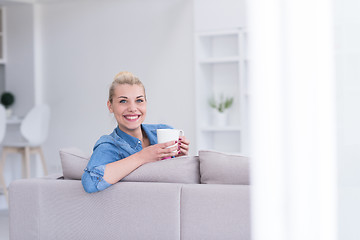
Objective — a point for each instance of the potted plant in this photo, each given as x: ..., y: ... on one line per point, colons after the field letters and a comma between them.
x: 220, y: 107
x: 7, y: 99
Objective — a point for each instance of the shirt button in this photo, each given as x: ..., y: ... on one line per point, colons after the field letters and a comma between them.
x: 139, y: 141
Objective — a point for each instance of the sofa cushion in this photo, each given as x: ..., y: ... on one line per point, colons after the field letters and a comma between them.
x: 175, y: 170
x: 222, y: 168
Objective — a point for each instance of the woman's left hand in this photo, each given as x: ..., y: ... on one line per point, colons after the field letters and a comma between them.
x: 183, y: 146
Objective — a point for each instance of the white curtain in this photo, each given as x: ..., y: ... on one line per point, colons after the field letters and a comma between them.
x: 293, y: 130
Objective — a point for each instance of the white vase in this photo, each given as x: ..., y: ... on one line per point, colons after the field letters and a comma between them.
x: 220, y: 119
x: 8, y: 112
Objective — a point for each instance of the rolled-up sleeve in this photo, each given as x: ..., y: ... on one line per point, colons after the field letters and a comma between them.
x: 93, y: 179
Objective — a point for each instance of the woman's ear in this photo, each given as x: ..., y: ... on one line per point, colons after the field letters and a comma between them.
x: 110, y: 107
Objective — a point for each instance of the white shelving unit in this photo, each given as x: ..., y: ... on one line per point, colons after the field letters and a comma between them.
x: 221, y: 69
x: 2, y: 35
x: 2, y: 49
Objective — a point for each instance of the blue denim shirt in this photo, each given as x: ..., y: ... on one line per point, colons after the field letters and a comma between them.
x: 111, y: 148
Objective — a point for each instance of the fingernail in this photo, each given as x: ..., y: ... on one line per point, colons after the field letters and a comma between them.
x: 179, y: 152
x: 175, y: 141
x: 180, y: 139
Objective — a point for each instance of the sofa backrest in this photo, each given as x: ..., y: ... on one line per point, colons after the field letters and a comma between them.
x: 210, y: 167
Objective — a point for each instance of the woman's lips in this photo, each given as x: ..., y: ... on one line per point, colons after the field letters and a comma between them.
x: 132, y: 118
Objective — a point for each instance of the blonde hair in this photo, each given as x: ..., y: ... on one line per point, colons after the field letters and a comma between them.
x: 124, y: 78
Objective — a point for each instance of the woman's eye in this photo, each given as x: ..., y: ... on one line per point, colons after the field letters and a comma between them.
x: 140, y: 100
x: 122, y: 101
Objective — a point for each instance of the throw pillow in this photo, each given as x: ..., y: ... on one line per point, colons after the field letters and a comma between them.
x: 73, y: 162
x: 222, y: 168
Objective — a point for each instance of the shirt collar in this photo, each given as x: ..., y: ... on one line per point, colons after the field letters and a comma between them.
x: 133, y: 141
x: 150, y: 133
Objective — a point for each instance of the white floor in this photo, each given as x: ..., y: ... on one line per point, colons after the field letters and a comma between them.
x: 4, y: 224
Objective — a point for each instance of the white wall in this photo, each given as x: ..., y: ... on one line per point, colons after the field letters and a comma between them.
x: 19, y: 67
x: 19, y: 77
x: 347, y: 35
x: 85, y: 43
x: 212, y: 15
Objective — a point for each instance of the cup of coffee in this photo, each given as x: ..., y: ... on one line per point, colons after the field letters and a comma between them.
x: 167, y: 135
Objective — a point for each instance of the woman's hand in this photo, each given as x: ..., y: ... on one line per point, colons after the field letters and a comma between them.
x: 158, y: 151
x: 183, y: 146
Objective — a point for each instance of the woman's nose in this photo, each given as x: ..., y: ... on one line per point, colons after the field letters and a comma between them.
x: 132, y: 107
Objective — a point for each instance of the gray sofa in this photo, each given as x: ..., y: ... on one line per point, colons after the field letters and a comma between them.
x: 198, y: 197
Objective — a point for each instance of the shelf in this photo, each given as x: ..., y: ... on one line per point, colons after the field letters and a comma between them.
x: 221, y: 129
x: 218, y: 33
x: 233, y: 59
x: 14, y: 120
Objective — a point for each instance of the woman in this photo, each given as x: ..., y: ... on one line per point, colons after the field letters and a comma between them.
x: 132, y: 143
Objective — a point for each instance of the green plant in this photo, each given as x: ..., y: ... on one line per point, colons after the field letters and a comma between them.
x: 222, y: 104
x: 7, y: 99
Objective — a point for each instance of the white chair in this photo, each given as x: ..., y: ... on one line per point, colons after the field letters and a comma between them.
x: 2, y: 135
x: 34, y: 129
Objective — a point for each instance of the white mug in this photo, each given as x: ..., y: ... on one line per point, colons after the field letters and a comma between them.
x: 167, y: 135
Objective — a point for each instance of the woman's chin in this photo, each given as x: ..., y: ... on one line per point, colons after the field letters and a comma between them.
x: 131, y: 125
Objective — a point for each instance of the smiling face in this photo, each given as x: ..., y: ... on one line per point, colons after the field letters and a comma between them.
x: 129, y: 107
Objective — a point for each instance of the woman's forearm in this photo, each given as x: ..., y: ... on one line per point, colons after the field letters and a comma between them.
x: 116, y: 171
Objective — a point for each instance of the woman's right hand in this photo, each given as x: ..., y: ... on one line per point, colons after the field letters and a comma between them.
x: 158, y: 152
